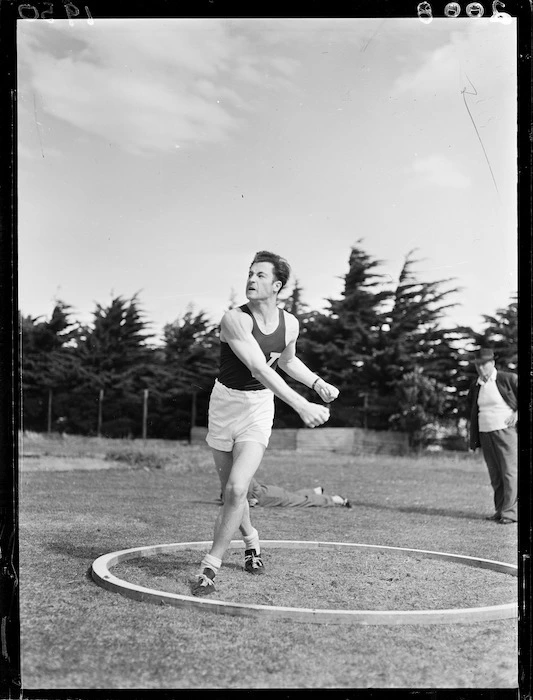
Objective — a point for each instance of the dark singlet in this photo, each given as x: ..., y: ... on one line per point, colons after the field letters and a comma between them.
x: 235, y: 374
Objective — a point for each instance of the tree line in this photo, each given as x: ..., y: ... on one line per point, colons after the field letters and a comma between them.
x: 384, y: 345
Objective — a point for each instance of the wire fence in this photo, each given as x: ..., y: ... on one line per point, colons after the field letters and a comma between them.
x: 109, y: 413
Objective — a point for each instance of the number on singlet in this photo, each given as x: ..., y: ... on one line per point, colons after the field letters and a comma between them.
x: 273, y: 357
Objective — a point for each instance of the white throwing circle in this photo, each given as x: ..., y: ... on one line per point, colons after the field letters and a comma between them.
x: 101, y: 574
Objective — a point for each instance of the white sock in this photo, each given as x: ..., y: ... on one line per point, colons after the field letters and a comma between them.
x: 252, y: 541
x: 210, y: 562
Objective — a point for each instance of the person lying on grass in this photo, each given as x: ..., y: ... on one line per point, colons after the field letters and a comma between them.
x: 270, y: 496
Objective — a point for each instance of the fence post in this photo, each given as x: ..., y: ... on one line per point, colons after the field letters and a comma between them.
x: 364, y: 394
x: 145, y: 413
x: 49, y: 426
x: 193, y: 413
x: 100, y: 402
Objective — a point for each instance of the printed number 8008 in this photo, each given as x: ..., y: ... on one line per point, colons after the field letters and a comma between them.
x: 473, y: 9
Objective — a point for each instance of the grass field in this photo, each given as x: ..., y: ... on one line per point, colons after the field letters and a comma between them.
x: 81, y: 497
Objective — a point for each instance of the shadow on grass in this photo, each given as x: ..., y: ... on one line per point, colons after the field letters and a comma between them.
x: 82, y: 551
x: 419, y: 510
x: 212, y: 502
x: 158, y: 565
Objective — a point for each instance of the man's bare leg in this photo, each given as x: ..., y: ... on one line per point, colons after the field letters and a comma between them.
x: 235, y: 471
x: 223, y: 464
x: 235, y: 514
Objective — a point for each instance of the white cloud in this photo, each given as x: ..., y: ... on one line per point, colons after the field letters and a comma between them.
x: 477, y: 48
x: 147, y: 84
x: 286, y: 66
x: 438, y: 170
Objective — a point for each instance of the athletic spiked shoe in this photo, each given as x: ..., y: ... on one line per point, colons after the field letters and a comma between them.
x: 203, y: 583
x: 253, y: 563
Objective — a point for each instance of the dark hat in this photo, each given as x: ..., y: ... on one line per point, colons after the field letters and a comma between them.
x: 483, y: 355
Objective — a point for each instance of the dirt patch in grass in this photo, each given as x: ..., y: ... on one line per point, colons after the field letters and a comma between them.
x: 179, y: 460
x: 52, y: 463
x: 76, y: 453
x: 329, y: 579
x: 64, y: 445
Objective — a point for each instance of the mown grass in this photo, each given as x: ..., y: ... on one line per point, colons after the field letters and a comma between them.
x: 371, y: 580
x: 77, y: 635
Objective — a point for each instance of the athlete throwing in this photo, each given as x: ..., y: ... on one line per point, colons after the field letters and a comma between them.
x: 254, y: 339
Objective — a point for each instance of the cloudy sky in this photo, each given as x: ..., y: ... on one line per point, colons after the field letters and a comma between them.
x: 156, y: 156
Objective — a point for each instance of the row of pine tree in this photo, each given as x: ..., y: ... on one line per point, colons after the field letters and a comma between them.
x: 386, y: 346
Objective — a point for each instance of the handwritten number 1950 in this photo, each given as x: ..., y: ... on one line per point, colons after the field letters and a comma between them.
x: 30, y: 12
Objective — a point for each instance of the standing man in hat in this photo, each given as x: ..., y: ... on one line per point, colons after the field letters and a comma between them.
x: 493, y: 405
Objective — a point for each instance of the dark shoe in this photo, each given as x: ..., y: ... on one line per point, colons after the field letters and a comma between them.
x: 253, y: 563
x: 347, y: 503
x: 506, y: 521
x: 495, y: 517
x: 203, y: 584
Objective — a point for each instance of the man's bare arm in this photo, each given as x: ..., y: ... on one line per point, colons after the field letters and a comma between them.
x: 298, y: 370
x: 236, y: 329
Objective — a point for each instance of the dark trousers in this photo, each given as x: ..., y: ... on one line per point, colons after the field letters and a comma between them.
x: 500, y: 452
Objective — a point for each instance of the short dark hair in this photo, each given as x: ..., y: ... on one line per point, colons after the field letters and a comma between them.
x: 282, y: 269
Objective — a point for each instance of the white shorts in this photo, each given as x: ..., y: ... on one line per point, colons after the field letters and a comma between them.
x: 239, y: 416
